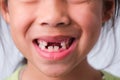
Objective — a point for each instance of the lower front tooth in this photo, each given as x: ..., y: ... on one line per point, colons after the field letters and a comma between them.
x: 56, y: 48
x: 63, y: 44
x: 50, y: 49
x: 64, y: 47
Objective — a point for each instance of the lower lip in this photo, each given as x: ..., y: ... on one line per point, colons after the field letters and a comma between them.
x: 56, y: 55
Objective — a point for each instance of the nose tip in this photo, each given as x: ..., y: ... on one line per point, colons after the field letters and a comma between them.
x: 55, y: 21
x: 56, y: 15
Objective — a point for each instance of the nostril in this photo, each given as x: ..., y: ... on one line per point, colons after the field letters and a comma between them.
x: 65, y: 22
x: 57, y: 24
x: 61, y: 24
x: 43, y: 24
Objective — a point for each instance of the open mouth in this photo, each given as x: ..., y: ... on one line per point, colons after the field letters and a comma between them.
x: 54, y: 45
x: 55, y: 48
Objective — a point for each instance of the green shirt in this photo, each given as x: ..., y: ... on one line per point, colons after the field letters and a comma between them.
x: 107, y: 76
x: 15, y: 75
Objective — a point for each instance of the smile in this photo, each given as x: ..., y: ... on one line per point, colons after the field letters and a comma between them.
x: 55, y: 47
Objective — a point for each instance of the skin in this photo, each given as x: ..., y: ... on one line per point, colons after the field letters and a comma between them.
x: 31, y: 19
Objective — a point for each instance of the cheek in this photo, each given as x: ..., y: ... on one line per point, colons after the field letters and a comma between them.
x: 20, y: 17
x: 19, y: 24
x: 20, y: 21
x: 90, y: 24
x: 88, y: 21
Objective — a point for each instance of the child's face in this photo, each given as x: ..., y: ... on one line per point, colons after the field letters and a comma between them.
x: 55, y: 35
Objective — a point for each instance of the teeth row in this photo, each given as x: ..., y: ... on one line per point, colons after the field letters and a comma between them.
x: 43, y: 44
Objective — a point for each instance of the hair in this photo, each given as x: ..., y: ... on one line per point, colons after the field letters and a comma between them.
x: 116, y: 13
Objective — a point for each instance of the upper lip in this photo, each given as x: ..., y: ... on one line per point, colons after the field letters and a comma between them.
x: 54, y: 38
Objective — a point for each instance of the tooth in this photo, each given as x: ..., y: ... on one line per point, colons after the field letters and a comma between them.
x: 41, y: 46
x: 44, y: 43
x: 64, y: 47
x: 50, y: 48
x: 39, y: 41
x: 63, y: 44
x: 56, y: 48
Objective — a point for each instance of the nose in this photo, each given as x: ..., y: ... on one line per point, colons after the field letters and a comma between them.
x: 54, y: 14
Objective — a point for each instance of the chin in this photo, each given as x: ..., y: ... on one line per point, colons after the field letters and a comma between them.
x: 56, y: 71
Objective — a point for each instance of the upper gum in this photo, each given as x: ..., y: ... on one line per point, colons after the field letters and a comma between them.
x: 51, y: 41
x: 57, y: 40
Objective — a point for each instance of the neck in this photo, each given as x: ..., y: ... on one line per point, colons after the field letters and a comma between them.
x: 81, y: 72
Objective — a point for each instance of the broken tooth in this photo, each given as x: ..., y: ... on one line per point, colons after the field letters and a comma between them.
x: 56, y: 48
x: 50, y: 49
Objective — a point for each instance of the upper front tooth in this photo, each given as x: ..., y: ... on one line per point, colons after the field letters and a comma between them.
x: 56, y: 48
